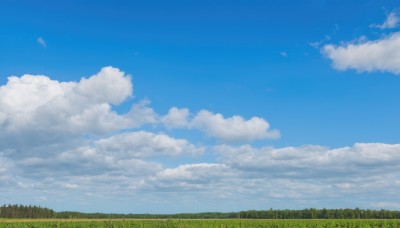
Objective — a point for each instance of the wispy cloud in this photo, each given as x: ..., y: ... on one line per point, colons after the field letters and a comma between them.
x: 392, y: 20
x: 41, y: 41
x: 318, y: 44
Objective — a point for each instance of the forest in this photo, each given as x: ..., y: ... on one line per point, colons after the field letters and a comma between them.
x: 34, y: 212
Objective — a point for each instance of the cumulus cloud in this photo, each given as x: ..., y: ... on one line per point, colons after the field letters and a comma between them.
x: 141, y: 113
x: 110, y: 85
x: 392, y: 20
x: 231, y: 129
x: 366, y: 56
x: 234, y: 128
x: 35, y: 109
x: 176, y: 118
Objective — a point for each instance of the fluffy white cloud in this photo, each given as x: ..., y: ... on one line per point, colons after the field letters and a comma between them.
x: 366, y: 56
x: 392, y: 20
x: 231, y: 129
x: 176, y: 118
x: 141, y: 114
x: 234, y: 128
x: 36, y: 110
x: 110, y: 85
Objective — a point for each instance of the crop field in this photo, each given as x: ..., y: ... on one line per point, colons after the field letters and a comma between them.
x: 172, y: 223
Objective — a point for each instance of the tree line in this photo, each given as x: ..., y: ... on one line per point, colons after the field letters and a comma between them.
x: 21, y: 211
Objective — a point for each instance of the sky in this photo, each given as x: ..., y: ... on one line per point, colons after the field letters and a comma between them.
x: 191, y: 106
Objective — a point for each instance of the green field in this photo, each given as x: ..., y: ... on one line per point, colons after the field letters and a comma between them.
x: 198, y: 223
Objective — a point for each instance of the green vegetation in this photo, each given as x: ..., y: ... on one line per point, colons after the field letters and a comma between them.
x: 205, y: 223
x: 17, y: 216
x: 19, y: 211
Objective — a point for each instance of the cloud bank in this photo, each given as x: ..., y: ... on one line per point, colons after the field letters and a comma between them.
x: 62, y: 142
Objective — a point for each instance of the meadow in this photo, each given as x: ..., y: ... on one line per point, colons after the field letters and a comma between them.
x: 188, y: 223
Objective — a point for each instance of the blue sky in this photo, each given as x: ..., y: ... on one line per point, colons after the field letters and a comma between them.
x: 188, y: 106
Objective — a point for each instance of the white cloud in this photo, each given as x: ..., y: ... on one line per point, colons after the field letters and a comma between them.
x: 85, y: 161
x: 41, y: 42
x: 145, y: 144
x: 110, y: 85
x: 231, y: 129
x: 176, y: 118
x: 367, y: 56
x: 291, y: 175
x: 141, y: 113
x: 122, y: 155
x: 35, y: 110
x: 392, y: 20
x: 234, y: 128
x: 362, y: 159
x: 188, y: 177
x: 288, y: 175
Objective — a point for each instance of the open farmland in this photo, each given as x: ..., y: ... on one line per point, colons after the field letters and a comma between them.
x: 182, y: 223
